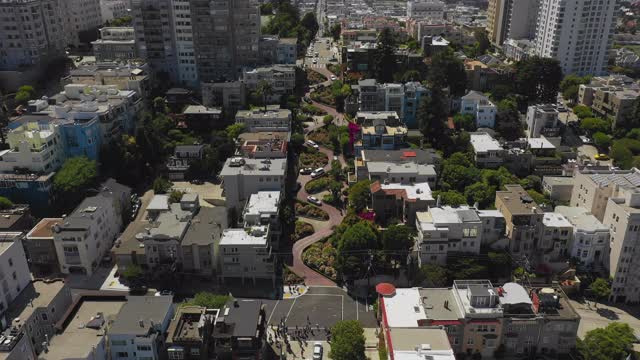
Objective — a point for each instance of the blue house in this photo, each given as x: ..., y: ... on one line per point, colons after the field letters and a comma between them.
x: 81, y: 138
x: 414, y: 92
x: 33, y: 189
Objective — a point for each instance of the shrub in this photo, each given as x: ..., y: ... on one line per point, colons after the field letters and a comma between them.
x: 302, y: 230
x: 310, y: 211
x: 317, y: 185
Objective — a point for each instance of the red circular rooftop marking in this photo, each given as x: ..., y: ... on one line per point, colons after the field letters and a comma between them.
x: 385, y: 289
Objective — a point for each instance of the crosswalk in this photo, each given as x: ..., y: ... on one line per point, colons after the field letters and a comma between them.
x: 322, y: 62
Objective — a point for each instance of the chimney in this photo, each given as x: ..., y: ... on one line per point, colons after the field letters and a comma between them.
x: 438, y: 201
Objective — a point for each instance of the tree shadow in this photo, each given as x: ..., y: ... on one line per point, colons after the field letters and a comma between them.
x: 607, y: 313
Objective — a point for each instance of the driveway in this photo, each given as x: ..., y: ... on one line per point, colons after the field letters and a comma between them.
x: 592, y: 318
x: 590, y: 151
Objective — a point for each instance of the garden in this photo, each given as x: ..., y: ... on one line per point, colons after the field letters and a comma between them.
x: 313, y: 159
x: 317, y: 185
x: 333, y: 137
x: 315, y: 77
x: 321, y: 257
x: 302, y: 230
x: 310, y: 211
x: 313, y: 110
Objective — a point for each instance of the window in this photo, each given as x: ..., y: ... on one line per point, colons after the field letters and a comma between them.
x: 195, y: 351
x: 470, y: 341
x: 118, y: 342
x: 144, y: 348
x: 10, y: 262
x: 122, y: 354
x: 44, y: 317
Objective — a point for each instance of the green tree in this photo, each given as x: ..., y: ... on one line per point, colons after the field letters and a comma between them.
x: 451, y: 198
x: 161, y: 185
x: 600, y: 289
x: 480, y: 193
x: 24, y: 94
x: 175, y: 196
x: 458, y: 172
x: 132, y: 272
x: 336, y: 30
x: 353, y: 247
x: 621, y: 155
x: 538, y: 197
x: 532, y: 182
x: 582, y: 112
x: 499, y: 265
x: 602, y: 140
x: 347, y: 341
x: 266, y: 9
x: 5, y: 203
x: 593, y: 125
x: 234, y: 130
x: 411, y: 75
x: 297, y: 140
x: 327, y: 119
x: 360, y: 195
x: 208, y: 300
x: 310, y: 23
x: 465, y: 122
x: 610, y: 343
x: 398, y: 239
x: 432, y: 275
x: 264, y: 90
x: 508, y: 123
x: 76, y: 175
x: 482, y: 41
x: 160, y: 105
x: 447, y: 70
x: 569, y: 86
x: 464, y: 268
x: 432, y: 117
x: 538, y: 79
x: 385, y: 56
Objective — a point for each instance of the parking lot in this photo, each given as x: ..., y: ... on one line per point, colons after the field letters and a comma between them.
x: 321, y: 307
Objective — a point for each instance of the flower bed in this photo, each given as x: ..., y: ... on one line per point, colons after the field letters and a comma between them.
x: 317, y: 185
x: 313, y: 159
x: 321, y: 257
x: 310, y: 211
x: 303, y: 230
x: 315, y: 77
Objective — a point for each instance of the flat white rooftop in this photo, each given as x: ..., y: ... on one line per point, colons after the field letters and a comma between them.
x: 554, y: 219
x: 252, y: 236
x: 404, y: 308
x: 263, y: 202
x: 483, y: 142
x: 540, y: 143
x: 420, y: 191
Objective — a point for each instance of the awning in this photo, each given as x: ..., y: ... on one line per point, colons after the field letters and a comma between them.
x: 446, y: 322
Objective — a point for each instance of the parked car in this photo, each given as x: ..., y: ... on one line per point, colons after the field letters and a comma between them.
x: 317, y: 173
x: 335, y: 158
x: 317, y: 351
x: 306, y: 99
x: 603, y: 157
x: 315, y: 61
x: 164, y: 293
x: 306, y: 171
x: 585, y: 140
x: 314, y: 200
x: 313, y: 144
x: 333, y: 78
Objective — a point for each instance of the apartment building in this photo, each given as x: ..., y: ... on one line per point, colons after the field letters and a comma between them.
x: 226, y: 37
x: 264, y: 145
x: 518, y: 50
x: 523, y: 219
x: 425, y: 161
x: 240, y: 331
x: 281, y: 78
x: 577, y: 33
x: 543, y: 120
x: 443, y: 230
x: 155, y: 36
x: 242, y: 177
x: 558, y: 187
x: 88, y: 233
x: 40, y: 248
x: 113, y: 9
x: 380, y: 130
x: 263, y: 208
x: 613, y: 97
x: 140, y: 328
x: 32, y: 33
x: 115, y: 44
x: 260, y: 120
x: 405, y: 173
x: 479, y: 318
x: 33, y: 314
x: 33, y: 189
x: 231, y: 95
x: 181, y: 23
x: 590, y: 237
x: 14, y: 269
x: 556, y: 238
x: 81, y: 20
x: 400, y: 201
x: 198, y: 247
x: 33, y: 146
x: 404, y: 99
x: 420, y: 9
x: 622, y: 216
x: 511, y: 19
x: 190, y: 334
x: 277, y: 50
x: 245, y: 254
x: 593, y: 188
x: 480, y: 77
x: 183, y: 156
x: 488, y: 153
x: 479, y: 105
x: 133, y: 76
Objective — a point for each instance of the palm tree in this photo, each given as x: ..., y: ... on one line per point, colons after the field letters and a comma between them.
x: 265, y: 90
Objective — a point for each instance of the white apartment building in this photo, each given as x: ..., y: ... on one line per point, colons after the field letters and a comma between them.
x: 242, y: 177
x: 444, y: 230
x: 488, y: 153
x: 511, y: 19
x: 139, y: 329
x: 479, y: 105
x: 593, y: 188
x: 282, y: 79
x: 542, y: 120
x: 259, y: 120
x: 423, y: 9
x: 578, y: 33
x: 113, y: 9
x: 33, y: 146
x: 555, y: 237
x: 622, y: 216
x: 31, y: 32
x: 80, y: 16
x: 246, y: 254
x: 590, y: 237
x: 403, y: 173
x: 183, y: 37
x: 14, y: 270
x: 115, y: 43
x: 86, y: 235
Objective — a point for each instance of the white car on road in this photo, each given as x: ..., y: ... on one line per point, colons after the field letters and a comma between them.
x: 333, y: 78
x: 314, y: 200
x: 317, y: 173
x: 317, y: 351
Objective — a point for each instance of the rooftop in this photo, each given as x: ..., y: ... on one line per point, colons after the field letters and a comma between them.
x: 140, y: 313
x: 483, y: 142
x: 78, y: 339
x: 254, y: 235
x: 260, y: 113
x: 263, y: 202
x: 403, y: 168
x: 200, y: 109
x: 512, y: 293
x: 404, y: 308
x: 38, y: 294
x: 417, y: 191
x: 264, y: 135
x: 540, y: 143
x: 206, y: 227
x: 434, y: 299
x: 159, y: 203
x: 244, y: 316
x: 624, y: 178
x: 558, y: 180
x: 554, y: 219
x: 518, y: 201
x: 186, y: 323
x: 44, y: 228
x: 246, y: 166
x: 420, y: 344
x: 418, y: 156
x: 581, y: 219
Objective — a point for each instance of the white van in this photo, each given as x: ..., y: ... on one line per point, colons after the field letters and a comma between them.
x: 317, y: 173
